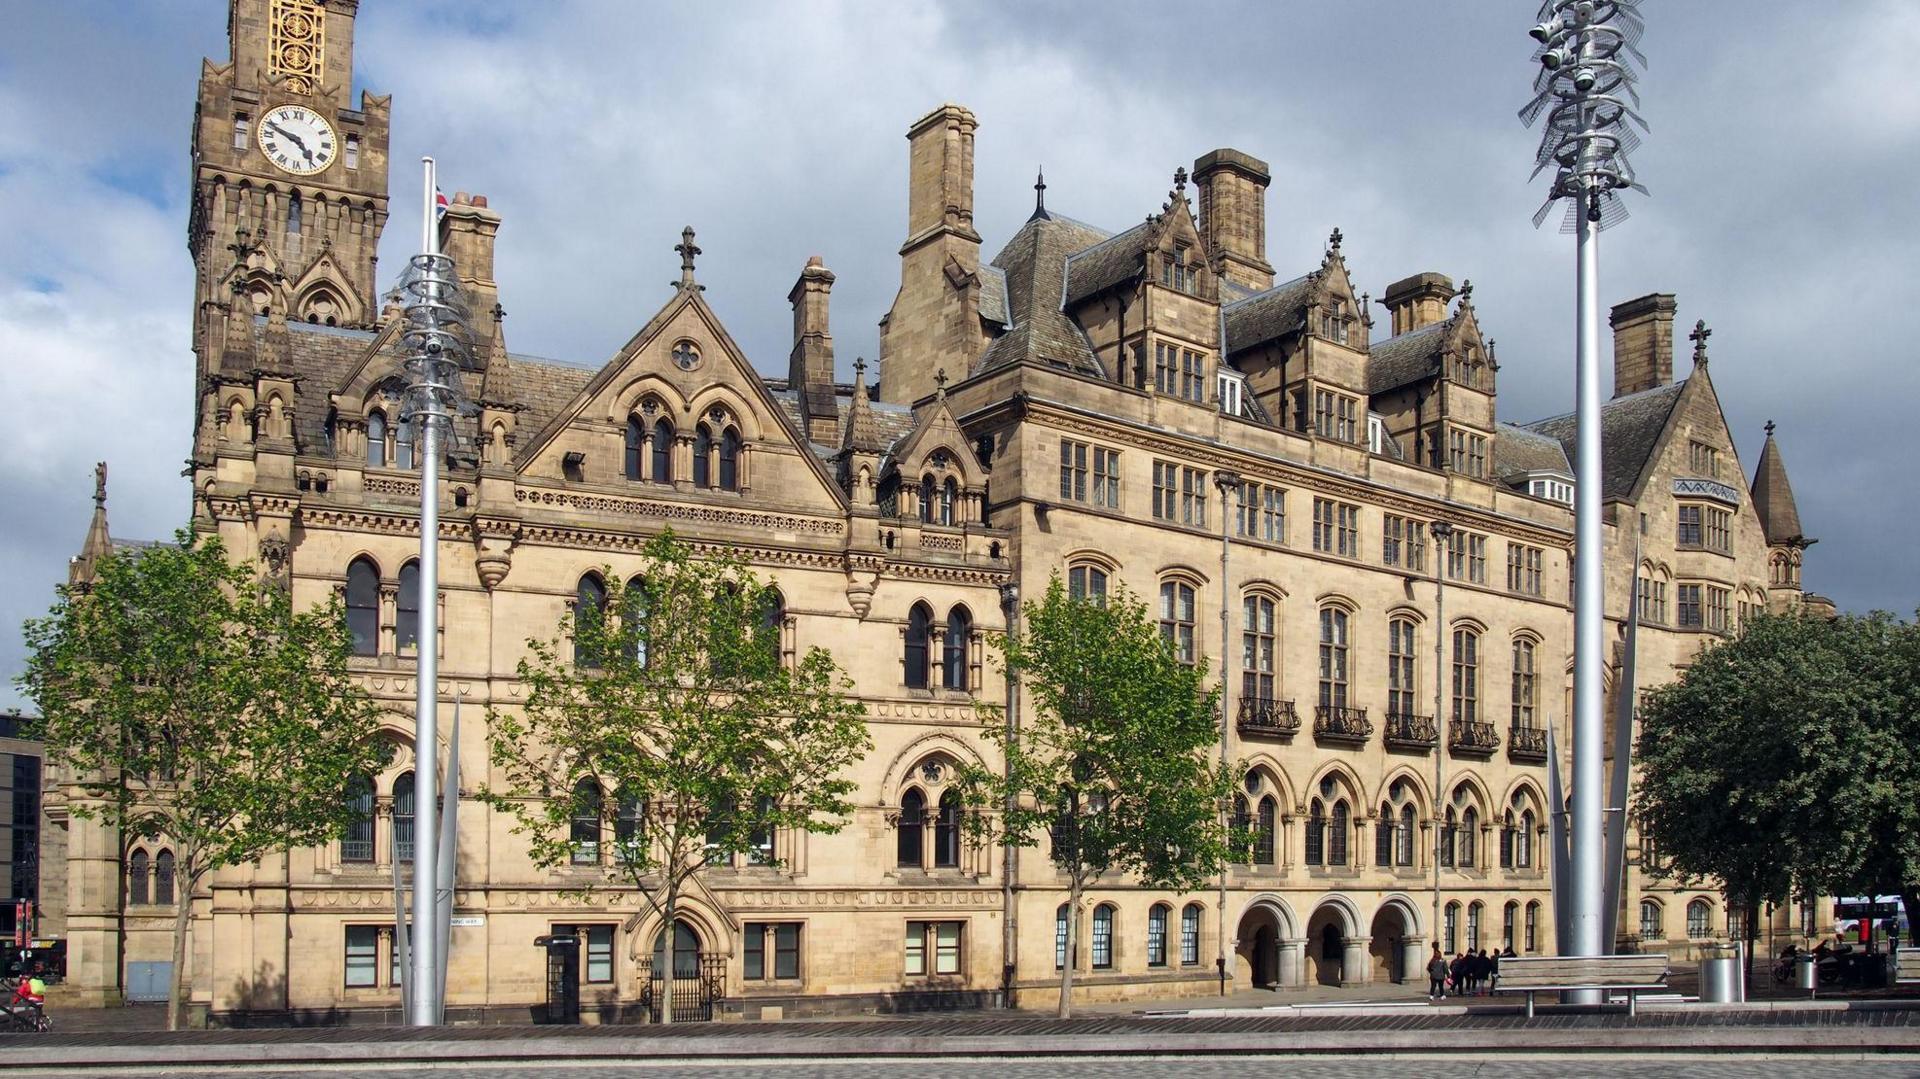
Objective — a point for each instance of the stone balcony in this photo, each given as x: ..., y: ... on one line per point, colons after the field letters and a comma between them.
x: 1339, y: 725
x: 1406, y: 731
x: 1262, y: 717
x: 1472, y: 738
x: 1527, y: 744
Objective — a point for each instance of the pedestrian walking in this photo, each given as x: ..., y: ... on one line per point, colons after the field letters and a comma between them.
x: 1437, y: 975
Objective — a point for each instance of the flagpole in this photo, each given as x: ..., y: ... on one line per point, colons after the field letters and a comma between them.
x: 425, y: 975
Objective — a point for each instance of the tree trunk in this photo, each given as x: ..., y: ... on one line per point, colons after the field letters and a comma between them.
x: 1752, y: 933
x: 1072, y: 957
x: 183, y: 909
x: 1910, y: 902
x: 671, y: 934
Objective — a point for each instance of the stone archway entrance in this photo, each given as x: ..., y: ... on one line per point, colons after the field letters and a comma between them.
x: 1267, y: 953
x: 1393, y: 945
x: 1336, y: 953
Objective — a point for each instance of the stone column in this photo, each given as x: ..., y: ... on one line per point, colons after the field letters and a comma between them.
x: 1293, y: 962
x: 1413, y: 960
x: 1355, y: 966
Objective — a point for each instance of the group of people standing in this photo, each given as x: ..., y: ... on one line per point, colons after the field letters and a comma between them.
x: 1469, y: 974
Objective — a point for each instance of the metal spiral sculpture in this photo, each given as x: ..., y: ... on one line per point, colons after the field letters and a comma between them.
x: 1585, y: 89
x: 435, y: 338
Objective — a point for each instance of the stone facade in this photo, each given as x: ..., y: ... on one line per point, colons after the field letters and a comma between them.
x: 1143, y: 409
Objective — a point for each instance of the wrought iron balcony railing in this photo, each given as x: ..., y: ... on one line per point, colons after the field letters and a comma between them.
x: 1527, y: 743
x: 1263, y: 717
x: 1333, y: 723
x: 1470, y: 737
x: 1406, y: 731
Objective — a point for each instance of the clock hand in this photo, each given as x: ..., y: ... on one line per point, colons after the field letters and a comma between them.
x: 295, y: 139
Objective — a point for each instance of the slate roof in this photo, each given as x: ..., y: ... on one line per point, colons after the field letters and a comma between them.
x: 1107, y: 263
x: 1630, y: 430
x: 1773, y: 496
x: 1408, y: 358
x: 1034, y: 263
x: 1267, y: 315
x: 993, y: 295
x: 1517, y: 451
x: 893, y: 422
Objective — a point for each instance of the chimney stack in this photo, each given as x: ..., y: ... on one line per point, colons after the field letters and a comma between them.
x: 1642, y: 343
x: 1420, y: 300
x: 810, y: 366
x: 935, y: 318
x: 466, y: 236
x: 1233, y: 215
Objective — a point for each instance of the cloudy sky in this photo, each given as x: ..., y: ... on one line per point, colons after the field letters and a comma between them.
x: 1786, y: 137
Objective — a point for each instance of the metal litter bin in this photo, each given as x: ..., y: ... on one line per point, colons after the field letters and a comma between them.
x: 1721, y: 981
x: 1806, y: 973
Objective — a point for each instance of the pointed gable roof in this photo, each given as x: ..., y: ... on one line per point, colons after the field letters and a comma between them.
x: 1630, y: 431
x: 1264, y: 316
x: 1034, y: 265
x: 1773, y: 496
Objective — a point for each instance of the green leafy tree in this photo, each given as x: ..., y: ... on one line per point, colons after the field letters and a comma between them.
x: 672, y: 706
x: 186, y: 700
x: 1765, y: 766
x: 1112, y: 767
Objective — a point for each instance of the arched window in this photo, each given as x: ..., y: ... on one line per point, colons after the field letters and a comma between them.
x: 1333, y: 657
x: 1103, y: 937
x: 1267, y: 837
x: 1177, y: 619
x: 403, y: 444
x: 1533, y: 925
x: 1243, y: 827
x: 1403, y: 854
x: 406, y: 621
x: 730, y: 460
x: 760, y: 842
x: 376, y: 439
x: 1523, y: 841
x: 633, y: 615
x: 1469, y: 834
x: 1060, y: 937
x: 686, y: 951
x: 909, y: 838
x: 1448, y: 830
x: 946, y: 833
x: 1652, y: 922
x: 1699, y: 919
x: 1474, y: 911
x: 702, y: 456
x: 1316, y: 840
x: 1157, y: 935
x: 585, y: 833
x: 1401, y: 685
x: 634, y: 460
x: 914, y: 659
x: 363, y: 606
x: 1509, y: 921
x: 949, y: 502
x: 357, y: 844
x: 163, y: 878
x: 954, y: 653
x: 1466, y: 675
x: 403, y: 817
x: 1453, y: 928
x: 1526, y: 691
x: 1190, y: 935
x: 589, y: 608
x: 1338, y: 832
x: 293, y: 212
x: 1383, y: 836
x: 660, y: 468
x: 139, y: 880
x: 1506, y: 840
x: 773, y: 621
x: 1257, y: 647
x: 1085, y: 581
x: 629, y: 825
x: 926, y: 499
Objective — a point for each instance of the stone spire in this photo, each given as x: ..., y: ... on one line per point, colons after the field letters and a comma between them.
x: 863, y: 431
x: 98, y: 542
x: 688, y: 252
x: 1773, y: 497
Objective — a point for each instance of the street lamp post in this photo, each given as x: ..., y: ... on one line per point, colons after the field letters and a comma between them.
x: 1584, y: 90
x: 1442, y: 532
x: 1228, y: 483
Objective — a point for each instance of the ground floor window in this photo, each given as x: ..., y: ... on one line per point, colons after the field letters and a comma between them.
x: 363, y: 957
x: 932, y: 948
x: 782, y: 940
x: 1533, y: 921
x: 1453, y: 927
x: 1157, y: 936
x: 1190, y: 935
x: 596, y: 951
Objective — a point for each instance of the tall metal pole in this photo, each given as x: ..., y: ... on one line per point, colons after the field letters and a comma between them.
x: 1442, y: 533
x: 425, y: 975
x: 1226, y: 482
x: 1587, y: 845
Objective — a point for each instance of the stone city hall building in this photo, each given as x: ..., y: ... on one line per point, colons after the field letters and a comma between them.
x: 1318, y: 476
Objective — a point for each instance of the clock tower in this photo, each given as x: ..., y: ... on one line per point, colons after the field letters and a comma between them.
x: 289, y: 173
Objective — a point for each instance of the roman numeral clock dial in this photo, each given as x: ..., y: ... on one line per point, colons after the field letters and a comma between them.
x: 297, y: 139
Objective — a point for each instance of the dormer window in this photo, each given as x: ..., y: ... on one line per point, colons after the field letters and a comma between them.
x: 1176, y: 272
x: 1179, y: 371
x: 1228, y: 386
x: 1466, y: 367
x: 1334, y: 318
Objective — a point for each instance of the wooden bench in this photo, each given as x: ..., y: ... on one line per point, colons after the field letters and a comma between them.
x: 1532, y: 974
x: 1906, y: 966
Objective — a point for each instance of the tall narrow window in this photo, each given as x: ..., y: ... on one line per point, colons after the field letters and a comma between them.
x: 926, y: 499
x: 1060, y: 937
x: 585, y: 833
x: 163, y: 878
x: 589, y: 608
x: 363, y: 606
x: 1533, y: 922
x: 1177, y: 619
x: 1525, y: 688
x: 1339, y: 830
x: 1383, y: 837
x: 357, y: 844
x: 1474, y: 911
x: 1316, y: 842
x: 1469, y: 836
x: 1257, y: 647
x: 702, y: 456
x: 403, y: 444
x: 914, y: 658
x: 1333, y: 657
x: 406, y: 622
x: 1190, y: 935
x: 293, y: 213
x: 946, y: 833
x: 1103, y: 937
x: 139, y: 880
x: 661, y: 452
x: 760, y: 842
x: 636, y: 448
x: 1265, y: 839
x: 954, y: 652
x: 1453, y: 927
x: 1403, y: 852
x: 376, y: 439
x: 1401, y: 687
x: 1449, y: 830
x: 1466, y: 675
x: 730, y: 460
x: 910, y: 836
x: 950, y: 502
x: 403, y: 817
x: 1157, y: 935
x: 629, y: 831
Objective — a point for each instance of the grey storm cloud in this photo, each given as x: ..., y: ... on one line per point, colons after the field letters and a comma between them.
x: 1785, y: 138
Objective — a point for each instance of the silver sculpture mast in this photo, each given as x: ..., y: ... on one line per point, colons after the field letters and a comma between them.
x: 1585, y: 91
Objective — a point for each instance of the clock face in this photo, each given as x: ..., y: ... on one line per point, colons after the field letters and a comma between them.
x: 297, y: 139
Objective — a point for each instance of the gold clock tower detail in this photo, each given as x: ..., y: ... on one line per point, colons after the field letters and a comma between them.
x: 289, y: 175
